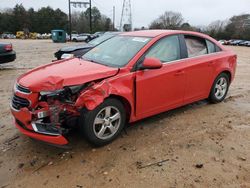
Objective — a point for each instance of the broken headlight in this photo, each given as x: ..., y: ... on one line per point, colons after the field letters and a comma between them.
x: 76, y: 89
x: 64, y: 93
x: 51, y: 93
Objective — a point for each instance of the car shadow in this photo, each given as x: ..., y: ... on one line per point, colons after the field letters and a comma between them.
x: 77, y: 143
x: 77, y: 140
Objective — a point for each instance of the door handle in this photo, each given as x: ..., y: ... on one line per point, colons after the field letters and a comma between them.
x: 179, y: 73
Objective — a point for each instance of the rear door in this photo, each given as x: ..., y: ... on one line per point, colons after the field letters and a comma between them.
x: 199, y: 69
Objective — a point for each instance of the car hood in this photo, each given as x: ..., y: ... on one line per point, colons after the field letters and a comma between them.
x: 77, y: 47
x: 62, y: 73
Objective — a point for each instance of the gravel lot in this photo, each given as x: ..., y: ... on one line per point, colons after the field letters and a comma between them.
x: 200, y: 145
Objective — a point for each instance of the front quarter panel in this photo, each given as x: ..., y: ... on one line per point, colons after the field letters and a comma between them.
x: 119, y: 86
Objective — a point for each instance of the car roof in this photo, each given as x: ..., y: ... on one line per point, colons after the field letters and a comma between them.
x: 112, y: 33
x: 155, y: 33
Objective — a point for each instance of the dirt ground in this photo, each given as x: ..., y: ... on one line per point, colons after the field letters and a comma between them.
x: 199, y: 145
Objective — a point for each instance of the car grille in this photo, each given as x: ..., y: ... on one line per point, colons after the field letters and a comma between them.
x: 19, y: 102
x: 23, y: 89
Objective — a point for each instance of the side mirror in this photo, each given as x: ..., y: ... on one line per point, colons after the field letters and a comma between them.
x: 150, y: 63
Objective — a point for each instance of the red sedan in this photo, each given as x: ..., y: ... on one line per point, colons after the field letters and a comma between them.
x: 127, y: 78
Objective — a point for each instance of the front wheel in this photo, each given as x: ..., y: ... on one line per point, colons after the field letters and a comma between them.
x: 220, y: 88
x: 103, y: 124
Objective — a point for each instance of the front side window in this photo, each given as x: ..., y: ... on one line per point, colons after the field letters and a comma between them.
x: 195, y: 46
x: 166, y: 50
x: 117, y: 51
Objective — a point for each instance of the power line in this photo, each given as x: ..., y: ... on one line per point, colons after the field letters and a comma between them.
x: 80, y: 4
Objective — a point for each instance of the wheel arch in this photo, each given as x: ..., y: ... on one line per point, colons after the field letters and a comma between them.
x: 228, y: 73
x: 125, y: 103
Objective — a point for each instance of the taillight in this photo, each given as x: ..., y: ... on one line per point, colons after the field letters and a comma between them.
x: 8, y: 47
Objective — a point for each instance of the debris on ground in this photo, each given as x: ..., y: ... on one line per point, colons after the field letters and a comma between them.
x: 159, y: 163
x: 199, y: 165
x: 242, y: 158
x: 9, y: 141
x: 20, y: 165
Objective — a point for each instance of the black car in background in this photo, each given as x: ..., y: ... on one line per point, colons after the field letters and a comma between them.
x: 7, y: 54
x: 80, y: 50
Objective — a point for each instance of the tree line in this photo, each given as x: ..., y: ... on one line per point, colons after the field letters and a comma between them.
x: 237, y: 27
x: 46, y: 19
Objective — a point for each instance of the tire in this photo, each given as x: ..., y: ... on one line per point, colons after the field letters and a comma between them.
x: 74, y: 40
x: 219, y: 89
x: 97, y: 125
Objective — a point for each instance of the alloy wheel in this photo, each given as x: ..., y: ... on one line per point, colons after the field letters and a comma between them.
x: 107, y: 122
x: 221, y: 88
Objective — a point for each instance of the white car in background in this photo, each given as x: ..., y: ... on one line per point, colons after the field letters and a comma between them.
x: 80, y: 37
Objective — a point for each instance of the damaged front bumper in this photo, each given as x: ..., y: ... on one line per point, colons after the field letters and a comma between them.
x: 38, y: 130
x: 37, y: 119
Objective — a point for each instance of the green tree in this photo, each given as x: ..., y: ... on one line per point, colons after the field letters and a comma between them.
x: 48, y: 19
x: 96, y: 19
x: 20, y: 18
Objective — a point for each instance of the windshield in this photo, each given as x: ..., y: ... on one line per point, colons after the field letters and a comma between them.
x: 100, y: 39
x: 117, y: 51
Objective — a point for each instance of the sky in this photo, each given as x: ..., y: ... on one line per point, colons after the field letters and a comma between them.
x: 196, y: 12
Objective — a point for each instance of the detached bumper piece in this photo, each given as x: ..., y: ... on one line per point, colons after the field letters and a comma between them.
x: 48, y: 129
x: 38, y: 130
x: 52, y: 139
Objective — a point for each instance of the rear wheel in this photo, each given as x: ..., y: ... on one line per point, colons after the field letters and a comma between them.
x: 103, y: 124
x: 220, y: 88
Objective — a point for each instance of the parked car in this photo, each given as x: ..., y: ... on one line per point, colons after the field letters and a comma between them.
x: 223, y: 42
x: 246, y: 43
x: 80, y: 38
x: 7, y: 54
x: 8, y: 36
x: 80, y: 50
x: 95, y: 35
x: 129, y: 77
x: 235, y: 42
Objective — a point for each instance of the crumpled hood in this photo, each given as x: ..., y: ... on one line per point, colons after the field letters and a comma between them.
x: 69, y: 72
x: 74, y: 48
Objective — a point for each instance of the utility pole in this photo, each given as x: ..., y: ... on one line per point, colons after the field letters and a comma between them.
x: 79, y: 4
x: 70, y: 23
x: 113, y: 18
x: 90, y: 16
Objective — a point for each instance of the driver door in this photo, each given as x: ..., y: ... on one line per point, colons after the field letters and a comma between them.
x: 161, y: 89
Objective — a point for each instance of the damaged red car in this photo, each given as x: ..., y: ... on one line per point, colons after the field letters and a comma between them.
x: 127, y: 78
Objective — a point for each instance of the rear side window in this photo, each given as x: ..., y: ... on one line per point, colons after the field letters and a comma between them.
x: 166, y: 50
x: 195, y: 46
x: 210, y: 47
x: 217, y: 48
